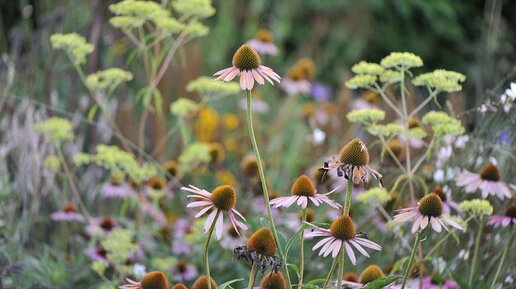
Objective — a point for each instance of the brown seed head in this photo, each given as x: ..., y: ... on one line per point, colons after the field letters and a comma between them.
x: 303, y: 186
x: 202, y: 283
x: 69, y: 208
x: 511, y: 211
x: 350, y: 277
x: 431, y: 205
x: 249, y: 166
x: 395, y: 146
x: 490, y: 173
x: 154, y: 280
x: 274, y: 281
x: 262, y: 241
x: 156, y: 183
x: 171, y: 167
x: 439, y: 191
x: 354, y: 153
x: 343, y: 228
x: 179, y: 286
x: 245, y: 58
x: 217, y: 153
x: 224, y: 197
x: 371, y: 273
x: 107, y: 223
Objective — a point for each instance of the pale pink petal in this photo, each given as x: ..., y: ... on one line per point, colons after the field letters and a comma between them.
x: 368, y: 243
x: 417, y: 222
x: 258, y: 77
x: 231, y: 75
x: 219, y: 226
x: 335, y: 248
x: 435, y: 225
x: 198, y: 204
x: 243, y: 81
x: 325, y: 249
x: 209, y: 220
x: 424, y: 223
x: 250, y: 79
x: 222, y: 71
x: 350, y: 253
x: 203, y: 211
x: 322, y: 242
x: 359, y: 248
x: 452, y: 223
x: 238, y: 214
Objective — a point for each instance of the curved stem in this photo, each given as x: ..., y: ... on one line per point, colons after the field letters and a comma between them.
x: 302, y: 265
x: 332, y: 269
x: 252, y: 276
x: 475, y: 252
x: 206, y: 245
x: 264, y: 183
x: 502, y: 260
x: 412, y: 255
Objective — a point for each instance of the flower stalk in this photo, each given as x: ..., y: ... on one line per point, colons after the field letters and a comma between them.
x: 302, y: 253
x: 502, y: 260
x: 412, y: 255
x: 206, y: 245
x: 478, y: 238
x: 252, y: 276
x: 264, y: 183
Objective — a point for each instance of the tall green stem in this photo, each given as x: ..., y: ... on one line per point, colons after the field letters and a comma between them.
x: 475, y: 252
x: 302, y: 254
x: 206, y: 245
x: 332, y: 269
x: 252, y: 276
x: 502, y: 260
x: 340, y: 273
x: 264, y: 183
x: 412, y: 255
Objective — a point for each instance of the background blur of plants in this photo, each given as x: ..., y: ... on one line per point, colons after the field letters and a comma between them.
x: 476, y: 38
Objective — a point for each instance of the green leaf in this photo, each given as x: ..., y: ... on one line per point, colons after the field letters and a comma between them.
x: 293, y: 238
x: 92, y: 112
x: 158, y: 101
x: 226, y: 284
x: 265, y: 222
x: 382, y: 282
x: 293, y: 267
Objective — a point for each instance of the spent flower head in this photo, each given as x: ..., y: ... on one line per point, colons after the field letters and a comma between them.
x: 401, y: 60
x: 273, y: 280
x: 152, y: 280
x: 371, y: 273
x: 202, y: 283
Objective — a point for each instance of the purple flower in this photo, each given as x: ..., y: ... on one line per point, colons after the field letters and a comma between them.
x: 67, y: 214
x: 321, y: 92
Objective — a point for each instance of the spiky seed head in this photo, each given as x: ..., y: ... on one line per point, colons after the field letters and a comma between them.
x: 303, y: 186
x: 490, y: 173
x: 295, y: 73
x: 202, y: 283
x: 107, y: 224
x: 156, y: 183
x: 249, y: 166
x: 217, y: 153
x: 171, y: 167
x: 350, y: 277
x: 69, y: 208
x: 154, y: 280
x: 246, y: 58
x: 431, y: 205
x: 274, y: 281
x: 371, y: 273
x: 439, y: 191
x: 354, y: 153
x: 307, y: 67
x: 262, y: 241
x: 343, y: 228
x: 264, y: 35
x: 395, y: 146
x: 179, y: 286
x: 511, y: 211
x: 224, y: 197
x: 116, y: 179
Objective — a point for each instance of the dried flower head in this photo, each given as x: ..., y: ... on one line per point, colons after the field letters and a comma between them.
x: 152, y: 280
x: 354, y: 153
x: 179, y: 286
x: 262, y: 241
x: 202, y: 283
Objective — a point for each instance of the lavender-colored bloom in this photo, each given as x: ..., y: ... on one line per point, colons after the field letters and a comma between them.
x: 321, y: 92
x: 97, y: 253
x: 68, y: 214
x: 100, y: 227
x: 115, y: 190
x: 179, y: 246
x: 503, y: 221
x: 262, y: 47
x: 487, y: 181
x: 295, y: 87
x: 184, y: 272
x: 259, y: 105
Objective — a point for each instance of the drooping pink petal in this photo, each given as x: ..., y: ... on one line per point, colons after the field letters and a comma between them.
x: 452, y: 223
x: 350, y: 253
x: 223, y: 70
x: 368, y: 243
x: 417, y: 222
x: 198, y: 204
x: 203, y: 211
x: 359, y: 248
x: 238, y: 214
x: 424, y: 223
x: 258, y: 77
x: 209, y: 220
x: 250, y: 79
x: 322, y: 242
x: 219, y: 226
x: 231, y: 75
x: 243, y: 81
x: 435, y: 225
x: 335, y: 248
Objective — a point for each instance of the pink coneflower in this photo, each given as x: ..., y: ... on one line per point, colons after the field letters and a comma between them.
x: 263, y: 43
x: 246, y: 63
x: 221, y: 199
x: 68, y: 214
x: 184, y: 272
x: 429, y: 210
x: 439, y: 282
x: 97, y: 253
x: 341, y: 232
x: 504, y: 221
x: 116, y: 188
x: 296, y: 86
x: 353, y: 160
x: 152, y: 280
x: 448, y: 203
x: 488, y: 182
x: 101, y: 226
x: 303, y: 190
